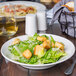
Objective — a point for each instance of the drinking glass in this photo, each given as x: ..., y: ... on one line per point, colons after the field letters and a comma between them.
x: 8, y: 26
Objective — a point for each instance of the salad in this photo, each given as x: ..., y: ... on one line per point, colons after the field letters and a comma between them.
x: 37, y: 49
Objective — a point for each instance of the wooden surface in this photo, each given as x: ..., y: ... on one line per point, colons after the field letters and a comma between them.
x: 11, y: 69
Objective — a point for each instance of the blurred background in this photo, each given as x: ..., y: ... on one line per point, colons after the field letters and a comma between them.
x: 48, y: 3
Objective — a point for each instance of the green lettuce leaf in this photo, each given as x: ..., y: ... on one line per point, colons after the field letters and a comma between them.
x: 13, y: 51
x: 52, y: 39
x: 32, y: 38
x: 23, y: 60
x: 33, y: 60
x: 52, y: 56
x: 45, y: 36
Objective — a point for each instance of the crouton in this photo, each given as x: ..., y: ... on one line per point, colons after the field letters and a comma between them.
x: 37, y: 49
x: 16, y: 41
x: 59, y: 45
x: 46, y: 44
x: 27, y: 54
x: 40, y: 38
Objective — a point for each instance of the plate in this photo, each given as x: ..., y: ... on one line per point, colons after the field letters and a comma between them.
x: 69, y: 49
x: 38, y: 6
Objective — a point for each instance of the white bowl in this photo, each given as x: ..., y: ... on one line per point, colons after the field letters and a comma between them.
x: 69, y: 49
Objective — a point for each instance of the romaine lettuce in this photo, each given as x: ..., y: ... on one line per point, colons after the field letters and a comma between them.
x: 50, y: 56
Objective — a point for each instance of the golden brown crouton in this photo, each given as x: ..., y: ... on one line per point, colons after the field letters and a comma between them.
x: 16, y: 41
x: 40, y: 38
x: 59, y: 45
x: 27, y: 54
x: 37, y: 49
x: 46, y: 44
